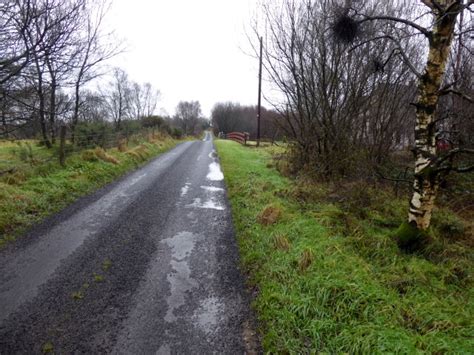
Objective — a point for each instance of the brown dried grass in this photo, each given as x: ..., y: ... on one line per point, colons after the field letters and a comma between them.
x: 102, y: 155
x: 281, y: 243
x: 306, y: 259
x: 270, y: 215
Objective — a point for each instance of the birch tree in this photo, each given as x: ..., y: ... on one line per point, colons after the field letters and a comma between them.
x: 431, y: 163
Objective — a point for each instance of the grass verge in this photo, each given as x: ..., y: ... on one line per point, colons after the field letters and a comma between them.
x: 39, y: 186
x: 327, y: 275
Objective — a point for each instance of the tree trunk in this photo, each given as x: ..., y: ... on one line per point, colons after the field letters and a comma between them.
x: 4, y: 116
x: 52, y: 110
x: 62, y: 146
x: 42, y: 104
x: 426, y: 180
x: 42, y: 119
x: 75, y: 117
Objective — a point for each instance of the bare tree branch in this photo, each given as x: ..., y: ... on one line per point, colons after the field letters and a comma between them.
x: 419, y: 28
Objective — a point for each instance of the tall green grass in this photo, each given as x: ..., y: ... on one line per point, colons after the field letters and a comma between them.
x: 39, y: 186
x: 329, y: 278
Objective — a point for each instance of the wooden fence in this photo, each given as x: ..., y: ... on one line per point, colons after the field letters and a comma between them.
x: 239, y: 137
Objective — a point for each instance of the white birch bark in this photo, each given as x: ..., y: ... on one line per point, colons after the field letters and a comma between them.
x: 426, y: 181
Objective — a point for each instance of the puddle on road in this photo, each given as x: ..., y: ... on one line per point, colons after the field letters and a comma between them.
x: 136, y: 179
x: 212, y: 188
x: 164, y: 349
x: 180, y: 279
x: 212, y: 154
x: 185, y: 189
x: 182, y: 244
x: 207, y: 315
x: 209, y: 204
x: 180, y: 283
x: 215, y: 172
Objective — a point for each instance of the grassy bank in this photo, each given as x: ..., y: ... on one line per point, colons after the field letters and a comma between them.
x: 328, y: 277
x: 38, y: 186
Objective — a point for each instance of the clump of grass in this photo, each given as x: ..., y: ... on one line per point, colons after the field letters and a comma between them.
x: 411, y: 239
x: 98, y: 278
x: 122, y: 146
x: 305, y: 192
x: 102, y: 155
x: 458, y: 274
x: 47, y: 348
x: 306, y: 259
x: 449, y: 226
x: 134, y: 155
x: 281, y: 243
x: 78, y: 295
x: 16, y: 178
x: 106, y: 264
x: 139, y: 153
x: 89, y: 155
x: 269, y: 215
x: 25, y: 151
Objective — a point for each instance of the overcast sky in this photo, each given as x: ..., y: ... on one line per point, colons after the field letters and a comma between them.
x: 188, y: 49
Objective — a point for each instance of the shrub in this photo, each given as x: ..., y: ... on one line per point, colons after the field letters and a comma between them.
x: 89, y: 135
x: 176, y: 133
x: 152, y: 121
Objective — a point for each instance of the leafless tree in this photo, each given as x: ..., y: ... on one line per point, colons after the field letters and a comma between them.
x: 143, y: 100
x: 118, y: 96
x: 229, y: 117
x: 151, y: 97
x: 52, y: 30
x: 93, y: 107
x: 16, y: 20
x: 92, y: 47
x: 51, y: 46
x: 332, y: 96
x: 187, y: 116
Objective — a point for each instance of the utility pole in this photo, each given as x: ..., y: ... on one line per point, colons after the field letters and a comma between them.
x: 259, y: 108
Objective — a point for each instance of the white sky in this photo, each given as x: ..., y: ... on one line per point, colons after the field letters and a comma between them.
x: 188, y: 49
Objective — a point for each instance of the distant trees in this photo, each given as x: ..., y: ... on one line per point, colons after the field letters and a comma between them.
x: 230, y: 117
x: 126, y: 99
x: 144, y: 99
x: 188, y: 116
x: 50, y: 52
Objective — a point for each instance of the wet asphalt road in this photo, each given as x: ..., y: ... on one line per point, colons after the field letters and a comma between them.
x: 147, y: 265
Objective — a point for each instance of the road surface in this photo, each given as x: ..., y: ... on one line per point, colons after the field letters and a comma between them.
x: 147, y: 265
